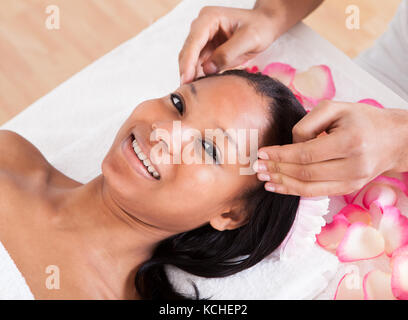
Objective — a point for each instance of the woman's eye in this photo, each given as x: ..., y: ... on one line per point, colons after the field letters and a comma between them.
x: 177, y: 102
x: 210, y: 149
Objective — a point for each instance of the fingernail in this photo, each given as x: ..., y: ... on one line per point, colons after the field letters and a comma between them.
x: 270, y: 187
x: 264, y: 177
x: 211, y: 68
x: 257, y: 166
x: 263, y: 155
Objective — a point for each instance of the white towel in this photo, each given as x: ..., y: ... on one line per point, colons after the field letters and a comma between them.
x: 298, y: 269
x: 75, y: 124
x: 12, y: 283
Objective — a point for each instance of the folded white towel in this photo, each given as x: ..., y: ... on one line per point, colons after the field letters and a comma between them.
x: 298, y: 269
x: 12, y: 283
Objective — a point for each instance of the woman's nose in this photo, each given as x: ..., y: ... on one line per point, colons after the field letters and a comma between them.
x: 174, y: 134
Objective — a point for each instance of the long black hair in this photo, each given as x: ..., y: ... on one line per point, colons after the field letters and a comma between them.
x: 207, y: 252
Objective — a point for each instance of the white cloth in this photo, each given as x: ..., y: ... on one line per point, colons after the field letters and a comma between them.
x: 298, y: 269
x: 387, y: 59
x: 12, y: 283
x: 75, y: 124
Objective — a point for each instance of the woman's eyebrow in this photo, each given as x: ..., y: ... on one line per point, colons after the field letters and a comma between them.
x: 193, y: 89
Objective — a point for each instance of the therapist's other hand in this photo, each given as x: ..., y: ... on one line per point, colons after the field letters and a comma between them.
x: 337, y: 149
x: 222, y: 38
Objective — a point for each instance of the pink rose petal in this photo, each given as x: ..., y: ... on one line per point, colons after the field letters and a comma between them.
x: 355, y: 213
x: 384, y: 194
x: 253, y: 69
x: 400, y: 183
x: 402, y: 251
x: 394, y: 228
x: 350, y: 287
x: 299, y: 98
x: 281, y: 71
x: 377, y: 286
x: 394, y: 182
x: 331, y: 234
x: 315, y: 84
x: 349, y: 198
x: 372, y: 102
x: 360, y: 242
x: 404, y: 178
x: 376, y: 212
x: 399, y: 279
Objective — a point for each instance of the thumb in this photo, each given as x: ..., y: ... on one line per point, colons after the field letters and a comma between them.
x: 232, y: 53
x: 321, y: 118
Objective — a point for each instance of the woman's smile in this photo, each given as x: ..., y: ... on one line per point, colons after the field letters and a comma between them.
x: 138, y: 159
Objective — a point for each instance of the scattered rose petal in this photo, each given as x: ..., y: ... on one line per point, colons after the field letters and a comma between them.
x: 376, y: 212
x: 349, y: 198
x: 402, y: 251
x: 355, y: 213
x: 377, y: 286
x: 399, y: 279
x: 401, y: 183
x: 404, y: 178
x: 314, y: 85
x: 253, y: 69
x: 281, y: 71
x: 394, y: 182
x: 394, y: 228
x: 384, y: 194
x: 372, y: 102
x: 350, y: 287
x: 360, y: 242
x: 331, y: 234
x: 299, y: 98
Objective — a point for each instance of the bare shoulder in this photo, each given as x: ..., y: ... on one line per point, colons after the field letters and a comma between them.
x: 20, y: 157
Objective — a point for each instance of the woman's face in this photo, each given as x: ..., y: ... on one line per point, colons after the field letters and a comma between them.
x: 199, y: 178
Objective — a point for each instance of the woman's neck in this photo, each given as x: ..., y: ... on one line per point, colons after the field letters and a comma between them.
x: 113, y: 242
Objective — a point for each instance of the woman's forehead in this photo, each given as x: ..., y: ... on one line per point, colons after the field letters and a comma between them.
x: 232, y: 101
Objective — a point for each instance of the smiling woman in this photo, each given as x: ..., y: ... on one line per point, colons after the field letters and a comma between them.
x: 113, y: 237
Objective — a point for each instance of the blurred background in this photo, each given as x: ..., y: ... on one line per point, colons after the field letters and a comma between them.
x: 34, y: 60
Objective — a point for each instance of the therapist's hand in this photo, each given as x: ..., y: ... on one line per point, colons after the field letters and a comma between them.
x: 360, y: 142
x: 222, y: 38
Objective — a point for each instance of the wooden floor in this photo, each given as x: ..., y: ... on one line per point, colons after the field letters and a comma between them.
x: 34, y: 60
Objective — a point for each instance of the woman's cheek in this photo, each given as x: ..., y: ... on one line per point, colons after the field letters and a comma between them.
x: 204, y: 177
x: 198, y: 183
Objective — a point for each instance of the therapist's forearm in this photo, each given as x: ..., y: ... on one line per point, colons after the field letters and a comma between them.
x: 286, y: 13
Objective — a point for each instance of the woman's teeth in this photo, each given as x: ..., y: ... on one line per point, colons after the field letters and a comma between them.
x: 146, y: 162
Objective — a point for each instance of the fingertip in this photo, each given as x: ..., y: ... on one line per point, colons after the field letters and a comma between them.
x: 270, y: 187
x: 263, y: 155
x: 182, y: 79
x: 209, y: 67
x: 185, y: 78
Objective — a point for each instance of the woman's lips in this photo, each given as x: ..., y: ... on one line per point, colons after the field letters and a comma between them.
x: 133, y: 160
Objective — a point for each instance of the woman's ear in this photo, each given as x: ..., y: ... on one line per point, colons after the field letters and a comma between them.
x: 229, y: 220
